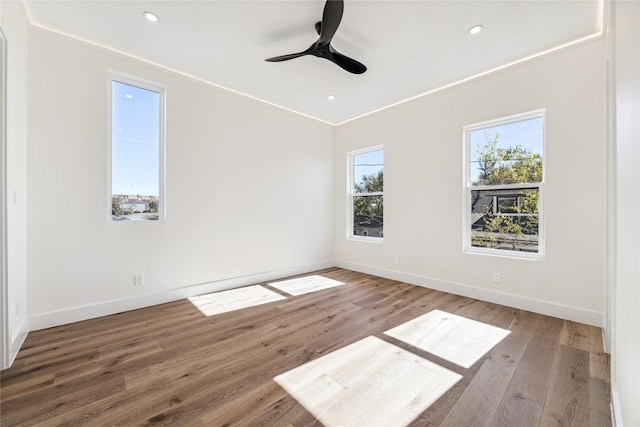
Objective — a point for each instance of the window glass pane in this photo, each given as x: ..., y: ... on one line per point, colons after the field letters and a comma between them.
x: 515, y: 225
x: 507, y: 204
x: 368, y: 216
x: 368, y: 172
x: 135, y: 145
x: 507, y: 154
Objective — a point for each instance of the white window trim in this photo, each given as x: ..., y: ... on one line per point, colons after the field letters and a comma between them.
x: 153, y: 87
x: 350, y: 195
x: 467, y: 188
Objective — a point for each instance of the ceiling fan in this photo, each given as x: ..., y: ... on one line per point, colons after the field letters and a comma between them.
x: 322, y: 48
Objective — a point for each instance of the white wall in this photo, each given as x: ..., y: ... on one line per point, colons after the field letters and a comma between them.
x: 625, y: 288
x: 260, y: 177
x: 423, y: 187
x: 14, y: 26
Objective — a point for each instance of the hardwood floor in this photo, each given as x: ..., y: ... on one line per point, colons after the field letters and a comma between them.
x: 171, y: 365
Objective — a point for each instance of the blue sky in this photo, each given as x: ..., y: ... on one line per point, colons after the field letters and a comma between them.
x: 527, y: 133
x: 369, y: 163
x: 136, y: 140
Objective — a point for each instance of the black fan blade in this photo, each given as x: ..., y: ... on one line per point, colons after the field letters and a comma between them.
x: 287, y: 57
x: 351, y: 65
x: 331, y: 18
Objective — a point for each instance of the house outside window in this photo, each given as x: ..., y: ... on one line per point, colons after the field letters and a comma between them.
x: 366, y: 194
x: 137, y: 150
x: 504, y: 173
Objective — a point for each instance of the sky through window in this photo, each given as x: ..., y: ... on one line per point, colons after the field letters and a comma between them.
x: 135, y: 140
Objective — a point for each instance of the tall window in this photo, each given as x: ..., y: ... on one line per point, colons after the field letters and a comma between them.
x: 137, y: 145
x: 366, y: 197
x: 504, y: 186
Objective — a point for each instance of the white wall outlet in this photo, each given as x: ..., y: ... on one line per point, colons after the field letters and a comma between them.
x: 138, y: 280
x: 396, y: 260
x: 497, y: 278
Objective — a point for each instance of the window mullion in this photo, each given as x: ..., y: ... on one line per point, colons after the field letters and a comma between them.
x: 378, y: 193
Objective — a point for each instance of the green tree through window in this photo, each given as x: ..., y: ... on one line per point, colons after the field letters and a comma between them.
x: 506, y: 165
x: 369, y: 206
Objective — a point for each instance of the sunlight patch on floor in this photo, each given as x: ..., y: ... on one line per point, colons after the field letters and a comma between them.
x: 368, y: 383
x: 305, y: 285
x: 454, y: 338
x: 234, y: 299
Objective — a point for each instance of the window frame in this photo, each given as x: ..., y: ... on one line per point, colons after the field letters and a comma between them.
x: 141, y: 83
x: 351, y: 194
x: 468, y: 188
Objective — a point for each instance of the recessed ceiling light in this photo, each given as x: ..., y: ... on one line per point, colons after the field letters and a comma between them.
x: 475, y: 29
x: 128, y: 96
x: 331, y: 97
x: 152, y: 17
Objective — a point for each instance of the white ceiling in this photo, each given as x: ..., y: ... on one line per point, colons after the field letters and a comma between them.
x: 409, y: 47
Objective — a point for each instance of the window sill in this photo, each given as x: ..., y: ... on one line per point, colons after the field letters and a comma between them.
x: 366, y: 239
x: 526, y: 256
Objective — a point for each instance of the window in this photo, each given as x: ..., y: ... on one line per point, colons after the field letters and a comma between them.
x: 366, y: 207
x: 137, y: 150
x: 504, y: 186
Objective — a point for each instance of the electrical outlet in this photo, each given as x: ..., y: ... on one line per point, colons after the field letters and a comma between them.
x: 396, y: 260
x: 497, y: 278
x: 138, y: 280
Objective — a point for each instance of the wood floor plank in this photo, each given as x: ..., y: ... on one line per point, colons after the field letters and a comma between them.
x: 599, y: 363
x: 576, y: 335
x: 340, y: 387
x: 531, y: 377
x: 27, y: 386
x: 437, y: 413
x: 72, y: 360
x: 567, y: 400
x: 455, y: 338
x: 479, y: 401
x: 171, y: 365
x: 285, y: 411
x: 483, y: 400
x: 517, y: 411
x: 40, y: 407
x: 242, y: 410
x: 599, y: 391
x: 511, y: 349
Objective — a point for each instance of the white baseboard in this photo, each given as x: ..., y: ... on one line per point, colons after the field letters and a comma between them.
x: 76, y: 314
x: 56, y: 318
x: 575, y: 314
